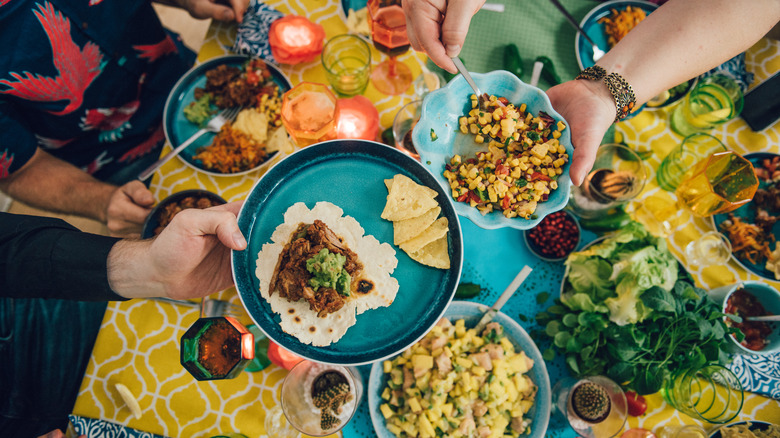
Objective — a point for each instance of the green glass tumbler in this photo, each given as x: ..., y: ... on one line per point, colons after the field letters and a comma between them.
x: 712, y: 393
x: 216, y: 348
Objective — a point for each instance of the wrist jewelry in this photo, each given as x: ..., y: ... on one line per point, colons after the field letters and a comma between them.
x: 619, y: 88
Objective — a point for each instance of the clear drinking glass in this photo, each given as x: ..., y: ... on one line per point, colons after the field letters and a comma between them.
x: 313, y: 410
x: 683, y: 157
x: 309, y: 112
x: 617, y: 176
x: 612, y: 425
x: 712, y: 248
x: 713, y: 101
x: 347, y: 62
x: 403, y: 123
x: 712, y: 393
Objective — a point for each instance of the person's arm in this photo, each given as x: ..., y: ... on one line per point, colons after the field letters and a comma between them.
x: 680, y: 40
x: 204, y: 9
x: 47, y: 258
x: 49, y: 183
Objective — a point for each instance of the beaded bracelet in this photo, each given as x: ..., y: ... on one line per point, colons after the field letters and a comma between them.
x: 620, y: 89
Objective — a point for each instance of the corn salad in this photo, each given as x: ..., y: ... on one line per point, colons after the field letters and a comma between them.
x: 522, y: 163
x: 456, y: 383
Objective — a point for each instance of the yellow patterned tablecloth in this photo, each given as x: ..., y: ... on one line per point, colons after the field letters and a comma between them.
x: 138, y: 344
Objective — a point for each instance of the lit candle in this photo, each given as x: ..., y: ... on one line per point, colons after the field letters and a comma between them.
x: 281, y: 357
x: 295, y: 39
x: 358, y: 118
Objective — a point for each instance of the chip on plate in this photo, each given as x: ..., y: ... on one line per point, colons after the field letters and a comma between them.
x: 435, y: 231
x: 434, y: 254
x: 408, y: 228
x: 407, y: 199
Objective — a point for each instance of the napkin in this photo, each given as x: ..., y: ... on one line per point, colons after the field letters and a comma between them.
x: 758, y: 373
x: 252, y: 37
x: 94, y: 428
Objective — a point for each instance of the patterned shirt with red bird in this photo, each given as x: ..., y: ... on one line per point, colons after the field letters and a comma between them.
x: 84, y: 80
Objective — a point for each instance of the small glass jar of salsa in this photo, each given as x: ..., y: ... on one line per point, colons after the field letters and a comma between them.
x: 743, y: 304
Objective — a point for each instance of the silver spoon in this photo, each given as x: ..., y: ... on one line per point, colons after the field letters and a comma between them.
x: 763, y: 318
x: 597, y: 53
x: 462, y: 70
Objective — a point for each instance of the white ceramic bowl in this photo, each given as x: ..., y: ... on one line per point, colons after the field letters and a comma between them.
x: 768, y: 296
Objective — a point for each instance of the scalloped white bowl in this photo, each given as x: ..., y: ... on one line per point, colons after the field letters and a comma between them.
x: 440, y: 112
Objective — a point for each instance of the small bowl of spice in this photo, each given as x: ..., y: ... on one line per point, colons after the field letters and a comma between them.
x: 556, y: 236
x: 748, y: 299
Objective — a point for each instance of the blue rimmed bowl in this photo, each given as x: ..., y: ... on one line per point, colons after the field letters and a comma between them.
x: 440, y: 112
x: 472, y: 312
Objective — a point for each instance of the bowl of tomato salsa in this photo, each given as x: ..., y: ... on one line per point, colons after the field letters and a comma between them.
x: 751, y: 298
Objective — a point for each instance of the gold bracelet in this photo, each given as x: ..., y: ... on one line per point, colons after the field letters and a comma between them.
x: 621, y: 91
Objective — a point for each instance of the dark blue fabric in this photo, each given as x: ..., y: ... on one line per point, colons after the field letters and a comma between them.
x: 84, y: 80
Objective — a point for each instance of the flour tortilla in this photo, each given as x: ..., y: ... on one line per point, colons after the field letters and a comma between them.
x: 407, y: 199
x: 378, y: 260
x: 408, y: 228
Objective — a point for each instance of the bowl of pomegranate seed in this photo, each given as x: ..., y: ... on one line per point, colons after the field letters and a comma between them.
x: 556, y: 236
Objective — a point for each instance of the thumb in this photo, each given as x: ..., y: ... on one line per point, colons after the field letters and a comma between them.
x: 223, y: 224
x: 456, y: 25
x: 138, y: 192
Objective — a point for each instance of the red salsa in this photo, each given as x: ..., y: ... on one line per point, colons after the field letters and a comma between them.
x: 744, y: 304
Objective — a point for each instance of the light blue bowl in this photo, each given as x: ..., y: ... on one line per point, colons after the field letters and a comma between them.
x: 472, y: 312
x: 440, y: 112
x: 768, y: 296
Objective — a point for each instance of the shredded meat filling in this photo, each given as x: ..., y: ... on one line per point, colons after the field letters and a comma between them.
x: 291, y: 279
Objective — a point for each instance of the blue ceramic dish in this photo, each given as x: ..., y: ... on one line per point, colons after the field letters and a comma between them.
x: 754, y: 425
x: 178, y: 129
x: 748, y: 213
x: 440, y: 112
x: 472, y: 312
x: 595, y: 30
x: 153, y: 219
x: 350, y: 174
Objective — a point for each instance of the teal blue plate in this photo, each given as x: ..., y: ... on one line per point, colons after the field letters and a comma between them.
x: 748, y: 213
x: 472, y: 312
x: 440, y: 112
x: 595, y: 30
x: 350, y: 174
x: 178, y: 129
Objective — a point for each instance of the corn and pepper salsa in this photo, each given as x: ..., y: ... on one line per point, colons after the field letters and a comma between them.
x: 520, y: 168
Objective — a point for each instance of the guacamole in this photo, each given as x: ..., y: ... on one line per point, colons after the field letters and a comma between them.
x: 327, y: 269
x: 199, y: 111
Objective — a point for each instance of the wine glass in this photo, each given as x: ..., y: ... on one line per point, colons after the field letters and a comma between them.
x: 388, y: 32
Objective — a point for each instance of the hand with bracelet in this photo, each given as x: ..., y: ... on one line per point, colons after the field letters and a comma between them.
x: 678, y: 41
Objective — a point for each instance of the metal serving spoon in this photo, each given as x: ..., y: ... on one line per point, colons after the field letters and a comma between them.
x: 597, y: 53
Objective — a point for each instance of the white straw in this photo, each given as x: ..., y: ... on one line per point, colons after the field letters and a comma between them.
x: 493, y: 7
x: 538, y: 66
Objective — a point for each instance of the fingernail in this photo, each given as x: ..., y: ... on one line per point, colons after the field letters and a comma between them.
x: 228, y: 15
x: 452, y: 50
x: 239, y: 240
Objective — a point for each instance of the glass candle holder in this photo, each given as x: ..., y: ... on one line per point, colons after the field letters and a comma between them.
x: 216, y: 348
x: 309, y: 112
x: 403, y: 123
x: 295, y: 39
x: 319, y: 399
x: 605, y: 423
x: 358, y: 118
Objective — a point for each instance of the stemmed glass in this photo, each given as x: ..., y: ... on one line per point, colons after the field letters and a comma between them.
x: 388, y: 31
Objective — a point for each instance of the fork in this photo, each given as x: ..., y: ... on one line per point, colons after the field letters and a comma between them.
x: 210, y: 307
x: 214, y: 125
x: 597, y: 52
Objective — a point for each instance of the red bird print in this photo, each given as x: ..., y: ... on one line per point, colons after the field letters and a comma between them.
x: 52, y: 143
x: 144, y: 147
x: 97, y: 163
x: 3, y: 2
x: 153, y: 52
x: 5, y: 164
x: 112, y: 121
x: 77, y: 67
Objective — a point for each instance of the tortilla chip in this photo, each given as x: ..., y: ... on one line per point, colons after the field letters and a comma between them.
x: 436, y: 230
x: 278, y: 140
x: 389, y: 185
x: 408, y: 228
x: 433, y: 254
x: 407, y: 199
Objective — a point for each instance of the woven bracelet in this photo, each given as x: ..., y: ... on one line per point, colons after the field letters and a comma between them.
x: 621, y: 91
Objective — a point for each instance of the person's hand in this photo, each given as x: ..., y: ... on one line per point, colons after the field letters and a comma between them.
x: 439, y: 27
x: 589, y: 109
x: 127, y: 209
x: 189, y: 259
x: 203, y: 9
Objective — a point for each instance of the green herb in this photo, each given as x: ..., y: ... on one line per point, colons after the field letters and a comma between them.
x: 520, y: 182
x: 494, y: 337
x: 522, y: 317
x: 457, y: 368
x: 482, y: 195
x: 541, y: 297
x: 491, y: 378
x: 467, y: 290
x: 434, y: 136
x: 533, y: 135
